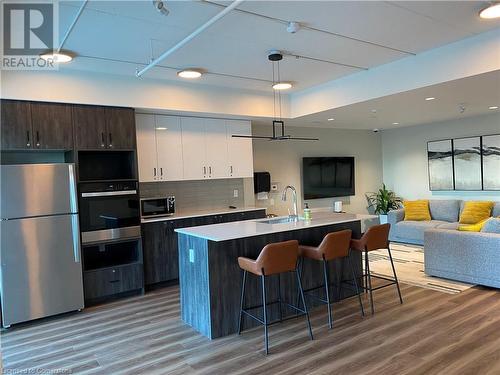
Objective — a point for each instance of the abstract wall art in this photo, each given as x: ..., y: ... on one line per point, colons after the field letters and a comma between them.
x: 467, y: 163
x: 440, y: 155
x: 491, y: 162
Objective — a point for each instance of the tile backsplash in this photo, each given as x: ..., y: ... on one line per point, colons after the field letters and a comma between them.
x: 198, y: 195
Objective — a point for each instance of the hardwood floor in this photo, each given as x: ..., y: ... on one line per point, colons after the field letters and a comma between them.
x: 431, y: 333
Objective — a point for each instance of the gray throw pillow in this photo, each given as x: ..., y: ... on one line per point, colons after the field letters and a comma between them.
x: 444, y: 210
x: 491, y: 226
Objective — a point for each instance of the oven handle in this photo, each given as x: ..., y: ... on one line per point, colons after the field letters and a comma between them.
x: 109, y: 193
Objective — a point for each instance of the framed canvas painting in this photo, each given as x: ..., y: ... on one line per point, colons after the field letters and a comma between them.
x: 491, y: 162
x: 467, y: 163
x: 440, y: 159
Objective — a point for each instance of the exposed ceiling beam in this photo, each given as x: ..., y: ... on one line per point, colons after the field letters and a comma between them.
x: 70, y: 28
x: 191, y: 36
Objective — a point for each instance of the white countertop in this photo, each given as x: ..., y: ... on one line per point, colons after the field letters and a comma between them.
x: 182, y: 214
x: 250, y: 228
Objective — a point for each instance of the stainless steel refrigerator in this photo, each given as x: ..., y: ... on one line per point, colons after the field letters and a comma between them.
x: 40, y: 273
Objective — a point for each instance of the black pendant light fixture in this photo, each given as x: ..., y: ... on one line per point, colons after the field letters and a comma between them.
x: 278, y: 124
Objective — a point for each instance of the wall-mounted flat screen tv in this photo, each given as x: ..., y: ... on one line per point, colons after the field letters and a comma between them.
x: 325, y: 177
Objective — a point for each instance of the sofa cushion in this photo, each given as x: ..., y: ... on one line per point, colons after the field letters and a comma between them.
x: 417, y: 210
x: 445, y: 210
x: 491, y: 226
x: 475, y: 211
x: 472, y: 227
x: 413, y: 231
x: 449, y: 226
x: 496, y: 210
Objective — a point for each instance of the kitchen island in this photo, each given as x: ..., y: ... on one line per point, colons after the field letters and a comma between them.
x: 210, y: 278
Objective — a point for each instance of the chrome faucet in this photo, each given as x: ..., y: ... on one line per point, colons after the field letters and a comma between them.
x: 294, y: 199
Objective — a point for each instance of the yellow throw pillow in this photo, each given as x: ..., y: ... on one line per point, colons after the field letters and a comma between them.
x: 473, y: 227
x: 417, y: 210
x: 475, y: 211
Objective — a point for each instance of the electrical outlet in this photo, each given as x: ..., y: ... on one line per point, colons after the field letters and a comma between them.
x: 191, y: 256
x: 274, y: 186
x: 235, y: 193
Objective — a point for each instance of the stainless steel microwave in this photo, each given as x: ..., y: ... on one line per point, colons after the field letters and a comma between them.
x: 159, y: 206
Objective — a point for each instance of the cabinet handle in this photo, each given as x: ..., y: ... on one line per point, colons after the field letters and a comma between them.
x: 103, y: 141
x: 231, y: 169
x: 37, y: 138
x: 28, y: 141
x: 210, y: 171
x: 204, y: 171
x: 154, y: 172
x: 114, y: 281
x: 110, y: 140
x: 161, y: 171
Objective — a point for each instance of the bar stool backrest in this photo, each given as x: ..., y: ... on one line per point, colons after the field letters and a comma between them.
x: 278, y: 257
x: 377, y: 237
x: 336, y: 244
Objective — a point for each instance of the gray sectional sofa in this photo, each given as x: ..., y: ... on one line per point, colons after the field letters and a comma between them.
x: 472, y: 257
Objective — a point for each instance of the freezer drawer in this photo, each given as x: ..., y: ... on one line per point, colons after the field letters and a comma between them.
x: 41, y: 271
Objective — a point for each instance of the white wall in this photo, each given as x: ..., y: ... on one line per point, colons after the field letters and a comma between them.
x: 114, y: 90
x: 405, y: 155
x: 283, y: 159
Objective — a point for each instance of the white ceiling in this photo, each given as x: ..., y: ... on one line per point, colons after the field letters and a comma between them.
x: 476, y: 94
x: 237, y: 45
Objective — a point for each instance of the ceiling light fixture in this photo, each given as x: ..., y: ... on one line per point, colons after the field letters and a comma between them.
x: 161, y: 128
x: 161, y: 7
x: 282, y: 86
x: 493, y: 107
x: 395, y: 123
x: 278, y: 124
x: 430, y: 98
x: 189, y: 73
x: 331, y: 119
x: 57, y: 57
x: 493, y: 11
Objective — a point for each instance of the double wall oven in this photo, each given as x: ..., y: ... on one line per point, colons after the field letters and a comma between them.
x: 108, y: 196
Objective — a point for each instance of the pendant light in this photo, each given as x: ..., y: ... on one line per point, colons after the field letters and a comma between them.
x: 278, y: 124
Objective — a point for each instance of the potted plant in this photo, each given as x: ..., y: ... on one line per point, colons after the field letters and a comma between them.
x: 383, y: 201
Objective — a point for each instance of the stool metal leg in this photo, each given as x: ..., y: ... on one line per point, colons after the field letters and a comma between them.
x: 366, y: 271
x: 304, y: 303
x: 264, y: 309
x: 300, y: 266
x: 327, y: 291
x: 354, y: 277
x: 370, y: 290
x: 279, y: 298
x: 395, y: 277
x: 242, y: 300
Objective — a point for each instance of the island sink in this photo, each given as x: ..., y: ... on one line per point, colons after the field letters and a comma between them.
x: 282, y: 220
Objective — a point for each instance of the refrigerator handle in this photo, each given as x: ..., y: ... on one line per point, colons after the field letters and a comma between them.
x: 72, y: 189
x: 76, y: 237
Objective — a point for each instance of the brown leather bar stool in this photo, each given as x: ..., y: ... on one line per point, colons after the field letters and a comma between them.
x: 375, y: 238
x: 274, y: 259
x: 335, y: 245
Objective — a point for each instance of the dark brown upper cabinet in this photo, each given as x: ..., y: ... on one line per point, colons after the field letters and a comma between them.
x: 120, y: 124
x: 52, y: 126
x: 16, y: 129
x: 104, y: 128
x: 90, y: 127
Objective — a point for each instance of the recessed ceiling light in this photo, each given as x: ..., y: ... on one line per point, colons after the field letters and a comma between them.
x: 161, y: 128
x: 395, y: 123
x: 493, y: 107
x: 493, y: 11
x: 282, y: 86
x: 430, y: 98
x: 331, y: 119
x: 189, y: 73
x: 57, y: 57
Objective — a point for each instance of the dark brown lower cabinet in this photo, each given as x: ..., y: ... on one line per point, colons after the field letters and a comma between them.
x: 159, y: 242
x: 111, y: 269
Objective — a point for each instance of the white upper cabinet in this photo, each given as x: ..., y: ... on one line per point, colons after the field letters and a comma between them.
x: 216, y: 148
x: 169, y: 148
x: 172, y: 148
x: 193, y: 148
x: 240, y: 152
x: 146, y: 147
